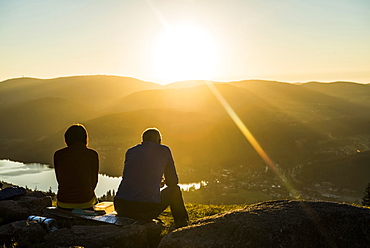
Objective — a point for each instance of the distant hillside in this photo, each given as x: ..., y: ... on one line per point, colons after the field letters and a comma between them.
x: 353, y: 92
x: 41, y: 117
x: 93, y: 90
x: 188, y: 84
x: 198, y: 99
x: 300, y: 126
x: 340, y: 170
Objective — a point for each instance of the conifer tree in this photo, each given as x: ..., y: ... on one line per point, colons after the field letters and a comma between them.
x: 366, y: 198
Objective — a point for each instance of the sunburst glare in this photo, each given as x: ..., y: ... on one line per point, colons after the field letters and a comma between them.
x: 249, y: 136
x: 185, y: 52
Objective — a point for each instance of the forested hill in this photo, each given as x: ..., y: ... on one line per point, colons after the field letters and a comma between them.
x: 302, y: 127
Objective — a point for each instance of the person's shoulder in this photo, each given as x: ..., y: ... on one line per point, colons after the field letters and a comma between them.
x: 91, y: 150
x: 61, y: 151
x: 134, y: 148
x: 165, y: 148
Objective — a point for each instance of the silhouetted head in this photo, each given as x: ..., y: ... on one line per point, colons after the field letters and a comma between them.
x: 153, y: 135
x: 75, y: 133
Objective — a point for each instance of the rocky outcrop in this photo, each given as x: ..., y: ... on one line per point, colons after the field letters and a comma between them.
x: 88, y: 236
x: 268, y: 224
x: 134, y: 235
x: 279, y: 224
x: 24, y: 233
x: 87, y: 233
x: 20, y: 207
x: 99, y: 236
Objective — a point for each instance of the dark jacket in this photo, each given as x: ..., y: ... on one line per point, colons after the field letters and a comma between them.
x: 76, y: 169
x: 145, y: 164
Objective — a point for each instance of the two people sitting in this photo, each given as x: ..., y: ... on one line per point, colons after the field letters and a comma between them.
x: 139, y: 195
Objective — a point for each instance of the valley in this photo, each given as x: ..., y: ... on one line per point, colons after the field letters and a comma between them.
x: 317, y: 134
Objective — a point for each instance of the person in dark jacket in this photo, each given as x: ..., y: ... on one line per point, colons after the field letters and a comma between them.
x: 139, y: 195
x: 76, y: 169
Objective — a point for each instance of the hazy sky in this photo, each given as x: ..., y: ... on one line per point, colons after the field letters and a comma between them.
x: 169, y: 40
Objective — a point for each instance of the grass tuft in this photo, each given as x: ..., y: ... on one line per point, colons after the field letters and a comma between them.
x: 198, y: 211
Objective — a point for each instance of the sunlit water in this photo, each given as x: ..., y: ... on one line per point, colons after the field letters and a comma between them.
x: 41, y: 177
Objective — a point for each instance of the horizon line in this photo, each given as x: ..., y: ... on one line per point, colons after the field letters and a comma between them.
x: 189, y: 80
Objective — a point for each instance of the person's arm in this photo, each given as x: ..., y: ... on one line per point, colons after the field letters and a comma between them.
x: 56, y: 168
x: 95, y: 170
x: 170, y: 174
x: 124, y: 163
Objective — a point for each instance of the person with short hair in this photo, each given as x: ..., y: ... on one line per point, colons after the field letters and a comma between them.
x: 76, y: 169
x: 139, y: 195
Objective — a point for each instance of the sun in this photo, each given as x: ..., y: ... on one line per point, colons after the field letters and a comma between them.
x: 185, y: 53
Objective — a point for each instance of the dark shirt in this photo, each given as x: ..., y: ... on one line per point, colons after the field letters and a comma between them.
x: 76, y: 169
x: 145, y: 164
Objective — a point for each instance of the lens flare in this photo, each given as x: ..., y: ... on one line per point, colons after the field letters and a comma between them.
x: 249, y: 136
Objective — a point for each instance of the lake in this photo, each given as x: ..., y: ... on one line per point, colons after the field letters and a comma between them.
x: 41, y: 177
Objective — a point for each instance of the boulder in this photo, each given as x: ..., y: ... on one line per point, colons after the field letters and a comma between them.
x: 21, y: 207
x: 279, y: 224
x: 99, y: 236
x: 154, y: 232
x: 21, y: 232
x: 34, y: 234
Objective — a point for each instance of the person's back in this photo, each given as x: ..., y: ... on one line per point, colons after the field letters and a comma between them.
x: 139, y: 195
x: 76, y: 169
x: 144, y: 166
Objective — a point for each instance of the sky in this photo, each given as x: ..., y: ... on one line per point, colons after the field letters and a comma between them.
x: 164, y: 41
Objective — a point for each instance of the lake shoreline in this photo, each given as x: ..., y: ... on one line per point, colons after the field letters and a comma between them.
x: 41, y: 177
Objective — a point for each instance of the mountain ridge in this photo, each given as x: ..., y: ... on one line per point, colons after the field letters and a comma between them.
x: 295, y: 124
